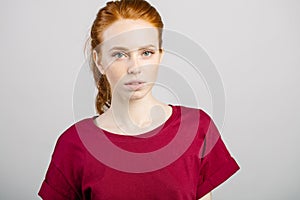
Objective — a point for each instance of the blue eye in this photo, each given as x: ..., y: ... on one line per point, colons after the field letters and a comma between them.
x: 148, y: 53
x: 118, y: 54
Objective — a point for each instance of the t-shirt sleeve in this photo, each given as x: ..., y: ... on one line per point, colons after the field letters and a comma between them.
x: 56, y: 186
x: 216, y: 163
x: 63, y: 177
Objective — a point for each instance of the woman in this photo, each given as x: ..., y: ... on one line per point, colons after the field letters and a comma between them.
x: 152, y: 161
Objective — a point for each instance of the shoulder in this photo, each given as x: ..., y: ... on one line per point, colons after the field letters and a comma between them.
x: 197, y: 119
x: 197, y: 122
x: 69, y: 146
x: 70, y: 135
x: 197, y: 114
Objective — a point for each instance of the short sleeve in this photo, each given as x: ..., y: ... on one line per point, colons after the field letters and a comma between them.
x: 216, y: 163
x: 56, y: 186
x: 64, y: 175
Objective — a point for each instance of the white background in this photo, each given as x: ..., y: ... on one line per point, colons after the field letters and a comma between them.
x: 255, y: 46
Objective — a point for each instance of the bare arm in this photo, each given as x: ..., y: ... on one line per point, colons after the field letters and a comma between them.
x: 206, y: 197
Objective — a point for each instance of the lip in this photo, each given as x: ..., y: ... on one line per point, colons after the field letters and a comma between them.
x: 134, y: 84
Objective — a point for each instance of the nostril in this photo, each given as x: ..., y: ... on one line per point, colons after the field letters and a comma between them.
x: 134, y: 70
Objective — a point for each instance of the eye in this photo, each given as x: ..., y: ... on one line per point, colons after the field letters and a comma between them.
x: 118, y: 55
x: 148, y: 53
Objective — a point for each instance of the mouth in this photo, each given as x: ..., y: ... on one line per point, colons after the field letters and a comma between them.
x: 134, y: 85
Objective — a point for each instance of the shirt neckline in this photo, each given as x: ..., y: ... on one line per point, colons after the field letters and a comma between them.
x: 156, y: 132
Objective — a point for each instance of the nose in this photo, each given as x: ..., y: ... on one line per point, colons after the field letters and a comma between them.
x: 134, y: 65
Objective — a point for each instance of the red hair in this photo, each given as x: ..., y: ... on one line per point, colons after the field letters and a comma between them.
x: 113, y: 11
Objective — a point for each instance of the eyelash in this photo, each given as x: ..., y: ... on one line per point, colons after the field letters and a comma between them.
x: 122, y: 53
x: 152, y: 52
x: 115, y: 54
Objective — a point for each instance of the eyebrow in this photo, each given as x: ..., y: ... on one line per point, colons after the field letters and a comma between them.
x: 125, y: 49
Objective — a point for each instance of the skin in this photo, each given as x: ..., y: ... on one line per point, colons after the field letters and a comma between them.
x: 132, y: 111
x: 207, y: 197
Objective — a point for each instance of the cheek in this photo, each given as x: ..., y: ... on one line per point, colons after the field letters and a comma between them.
x: 115, y: 73
x: 151, y: 67
x: 151, y: 71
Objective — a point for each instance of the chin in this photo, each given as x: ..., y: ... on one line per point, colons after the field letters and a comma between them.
x: 140, y: 94
x: 136, y: 95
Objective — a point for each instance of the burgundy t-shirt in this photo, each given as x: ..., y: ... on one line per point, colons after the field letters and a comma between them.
x: 182, y: 159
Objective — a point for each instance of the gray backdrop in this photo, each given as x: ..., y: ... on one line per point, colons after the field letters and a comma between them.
x: 254, y: 45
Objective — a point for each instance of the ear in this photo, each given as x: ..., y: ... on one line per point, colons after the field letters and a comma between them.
x: 162, y: 53
x: 97, y: 61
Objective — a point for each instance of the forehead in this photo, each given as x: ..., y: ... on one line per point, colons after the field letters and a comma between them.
x: 130, y: 34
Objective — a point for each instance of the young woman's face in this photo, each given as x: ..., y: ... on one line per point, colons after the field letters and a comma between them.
x: 130, y: 57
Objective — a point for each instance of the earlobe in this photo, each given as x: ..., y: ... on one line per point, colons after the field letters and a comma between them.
x: 96, y: 60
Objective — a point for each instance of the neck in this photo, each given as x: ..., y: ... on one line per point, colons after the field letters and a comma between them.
x: 137, y: 115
